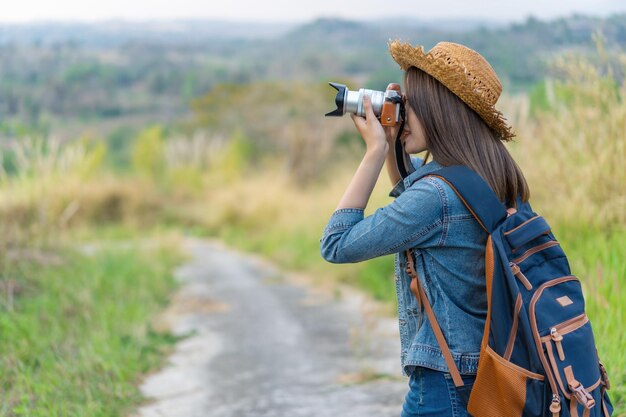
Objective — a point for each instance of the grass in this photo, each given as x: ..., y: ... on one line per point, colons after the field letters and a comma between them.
x: 76, y: 333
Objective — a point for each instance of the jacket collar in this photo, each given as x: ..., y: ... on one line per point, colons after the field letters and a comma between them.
x: 426, y: 169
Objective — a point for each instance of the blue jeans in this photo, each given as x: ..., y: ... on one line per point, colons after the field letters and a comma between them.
x: 432, y: 393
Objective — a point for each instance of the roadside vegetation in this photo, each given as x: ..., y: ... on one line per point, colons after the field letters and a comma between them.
x: 79, y: 291
x: 76, y: 331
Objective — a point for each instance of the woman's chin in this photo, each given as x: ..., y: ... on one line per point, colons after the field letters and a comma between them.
x: 408, y: 148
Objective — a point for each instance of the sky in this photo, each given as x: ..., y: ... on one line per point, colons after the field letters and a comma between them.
x: 298, y: 10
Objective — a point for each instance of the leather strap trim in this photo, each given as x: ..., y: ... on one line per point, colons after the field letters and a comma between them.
x: 573, y: 407
x: 521, y: 225
x: 509, y: 346
x: 605, y: 409
x: 489, y: 268
x: 422, y: 300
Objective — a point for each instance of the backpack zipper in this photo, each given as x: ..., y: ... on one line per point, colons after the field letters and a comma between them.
x: 557, y: 332
x: 534, y: 250
x: 537, y: 337
x: 570, y: 325
x: 515, y: 269
x: 521, y: 225
x: 555, y: 405
x: 557, y: 338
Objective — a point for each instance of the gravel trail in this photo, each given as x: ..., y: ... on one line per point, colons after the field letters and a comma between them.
x: 262, y: 343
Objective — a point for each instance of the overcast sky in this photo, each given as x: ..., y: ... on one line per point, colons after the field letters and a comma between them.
x: 298, y: 10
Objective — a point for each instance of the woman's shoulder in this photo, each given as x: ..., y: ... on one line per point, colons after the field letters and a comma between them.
x: 423, y: 178
x: 449, y: 201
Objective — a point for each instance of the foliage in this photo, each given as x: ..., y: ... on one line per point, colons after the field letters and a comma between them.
x: 76, y: 332
x: 119, y: 144
x: 148, y: 152
x: 54, y: 186
x: 236, y: 156
x: 278, y: 118
x: 49, y: 159
x: 578, y: 144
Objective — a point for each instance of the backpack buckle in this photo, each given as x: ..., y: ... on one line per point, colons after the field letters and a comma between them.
x: 579, y: 391
x: 582, y: 395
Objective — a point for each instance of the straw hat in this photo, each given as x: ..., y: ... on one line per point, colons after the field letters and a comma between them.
x: 464, y: 72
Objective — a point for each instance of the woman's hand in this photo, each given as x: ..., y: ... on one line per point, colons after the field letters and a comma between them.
x: 370, y: 129
x: 360, y: 188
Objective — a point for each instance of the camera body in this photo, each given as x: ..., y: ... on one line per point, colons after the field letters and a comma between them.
x: 386, y: 104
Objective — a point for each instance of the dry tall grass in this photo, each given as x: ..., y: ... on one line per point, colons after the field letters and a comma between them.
x: 55, y: 186
x: 574, y: 154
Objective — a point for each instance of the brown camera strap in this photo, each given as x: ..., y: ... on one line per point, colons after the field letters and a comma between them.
x: 422, y: 300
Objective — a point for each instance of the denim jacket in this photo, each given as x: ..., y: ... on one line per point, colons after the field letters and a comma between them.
x: 448, y: 245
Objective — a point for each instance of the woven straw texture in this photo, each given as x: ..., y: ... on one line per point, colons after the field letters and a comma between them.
x: 464, y: 72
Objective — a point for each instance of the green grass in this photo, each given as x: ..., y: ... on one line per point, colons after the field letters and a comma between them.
x: 75, y: 329
x: 377, y: 277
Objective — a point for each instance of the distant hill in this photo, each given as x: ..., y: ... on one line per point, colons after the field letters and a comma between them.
x: 331, y: 48
x: 119, y: 69
x: 116, y: 32
x: 113, y: 33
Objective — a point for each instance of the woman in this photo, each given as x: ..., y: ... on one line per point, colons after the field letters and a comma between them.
x: 451, y: 93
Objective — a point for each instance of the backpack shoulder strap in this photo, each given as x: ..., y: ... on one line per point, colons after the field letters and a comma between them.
x: 422, y: 301
x: 475, y: 193
x: 488, y: 211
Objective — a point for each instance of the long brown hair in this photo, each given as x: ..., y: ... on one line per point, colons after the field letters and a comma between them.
x: 456, y: 135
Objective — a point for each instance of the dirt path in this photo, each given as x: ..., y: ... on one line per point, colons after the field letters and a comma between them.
x: 264, y: 344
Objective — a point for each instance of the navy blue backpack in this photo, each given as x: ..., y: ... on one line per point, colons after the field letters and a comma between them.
x: 538, y: 355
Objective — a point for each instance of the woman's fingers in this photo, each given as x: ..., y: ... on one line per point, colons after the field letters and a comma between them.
x: 359, y: 122
x: 369, y: 110
x: 367, y: 123
x: 369, y: 127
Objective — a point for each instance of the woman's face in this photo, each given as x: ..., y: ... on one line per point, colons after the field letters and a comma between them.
x: 413, y: 137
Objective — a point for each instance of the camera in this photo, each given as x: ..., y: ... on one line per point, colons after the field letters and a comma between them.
x: 387, y: 105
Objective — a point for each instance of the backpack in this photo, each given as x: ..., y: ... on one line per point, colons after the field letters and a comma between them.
x: 538, y: 356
